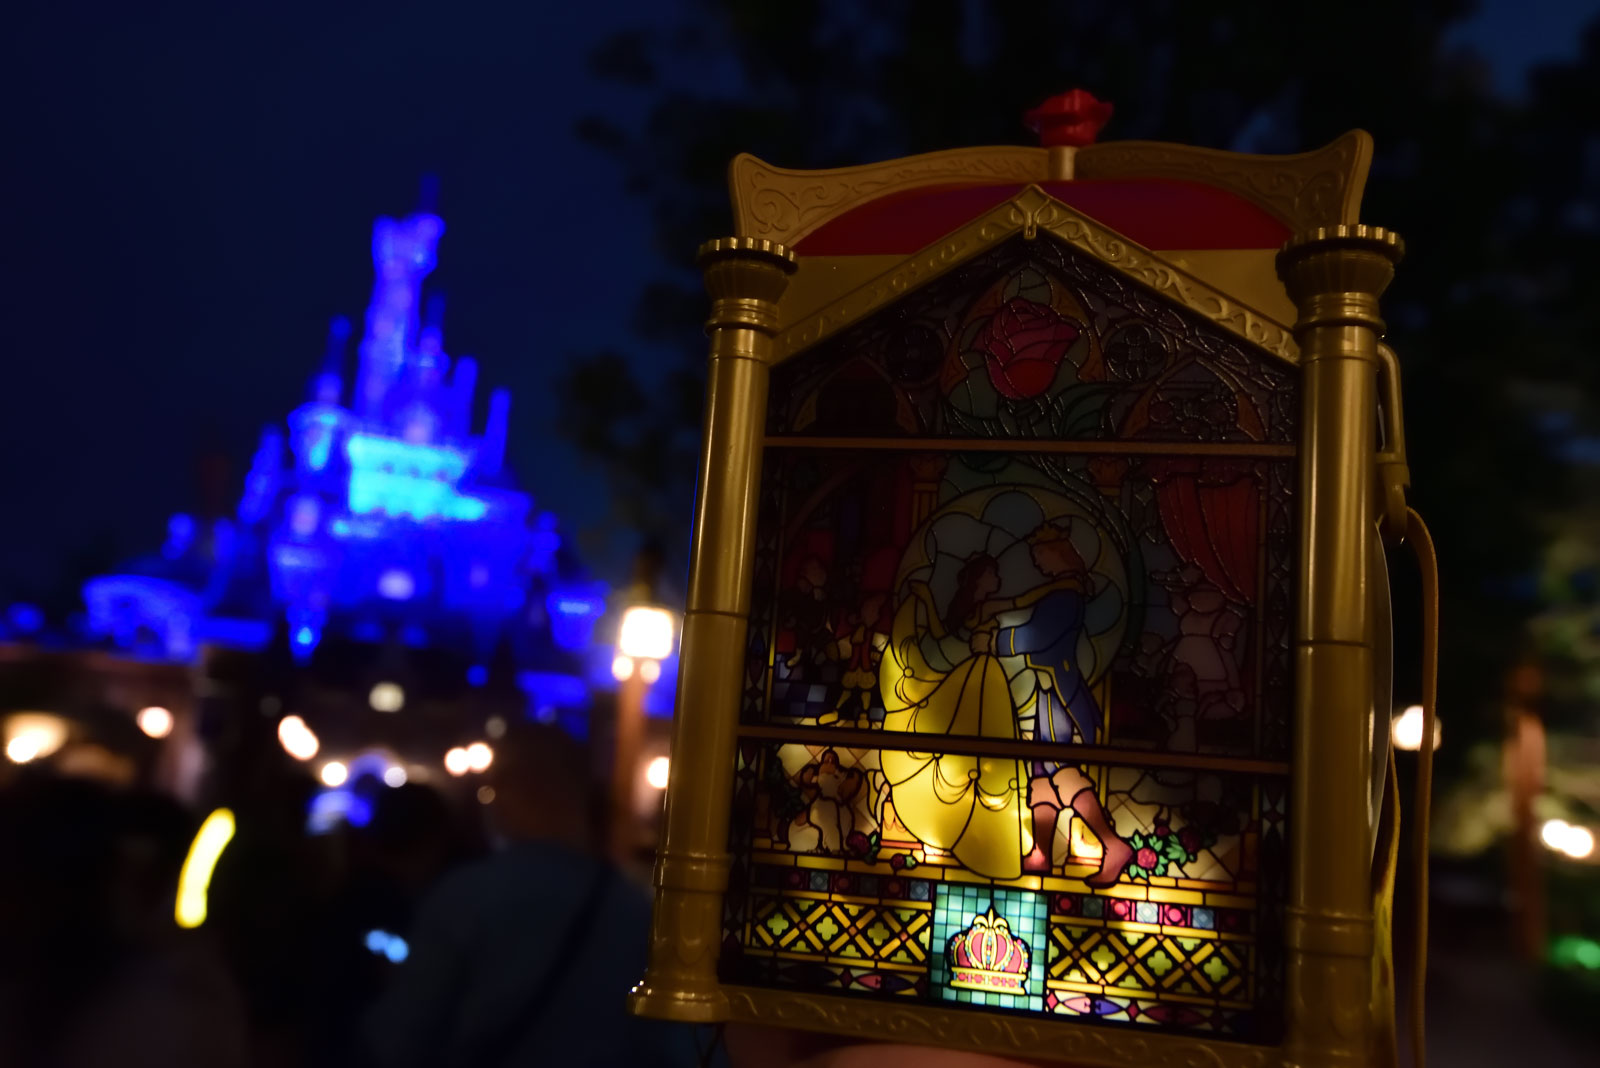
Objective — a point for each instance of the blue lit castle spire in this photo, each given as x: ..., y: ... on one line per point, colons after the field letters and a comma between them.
x: 381, y: 518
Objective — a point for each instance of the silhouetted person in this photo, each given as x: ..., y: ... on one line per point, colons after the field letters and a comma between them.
x: 93, y: 968
x: 413, y: 838
x: 526, y: 957
x: 167, y: 1000
x: 271, y: 906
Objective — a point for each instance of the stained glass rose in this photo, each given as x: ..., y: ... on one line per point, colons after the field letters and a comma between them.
x: 1023, y: 345
x: 1147, y: 858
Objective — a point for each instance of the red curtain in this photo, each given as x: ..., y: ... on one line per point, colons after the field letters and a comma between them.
x: 1211, y: 512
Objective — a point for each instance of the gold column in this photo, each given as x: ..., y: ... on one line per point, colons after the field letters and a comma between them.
x: 745, y: 277
x: 1334, y: 276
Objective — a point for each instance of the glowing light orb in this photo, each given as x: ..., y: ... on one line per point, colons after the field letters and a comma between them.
x: 296, y: 738
x: 32, y: 735
x: 334, y: 773
x: 1574, y: 841
x: 646, y: 633
x: 1407, y: 730
x: 23, y: 748
x: 396, y: 584
x: 657, y: 772
x: 154, y: 721
x: 387, y: 697
x: 479, y: 756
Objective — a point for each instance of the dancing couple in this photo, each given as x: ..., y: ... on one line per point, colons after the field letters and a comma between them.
x: 946, y: 673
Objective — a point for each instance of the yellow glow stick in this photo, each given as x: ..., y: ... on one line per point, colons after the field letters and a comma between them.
x: 195, y: 880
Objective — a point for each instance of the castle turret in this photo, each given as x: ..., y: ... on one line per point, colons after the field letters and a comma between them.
x: 403, y: 251
x: 316, y: 427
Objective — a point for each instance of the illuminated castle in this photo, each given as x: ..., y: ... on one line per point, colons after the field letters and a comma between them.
x: 382, y: 518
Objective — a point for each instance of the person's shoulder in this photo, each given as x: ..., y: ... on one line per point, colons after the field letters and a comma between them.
x: 527, y: 873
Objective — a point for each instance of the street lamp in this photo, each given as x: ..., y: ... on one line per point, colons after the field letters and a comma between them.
x: 644, y: 639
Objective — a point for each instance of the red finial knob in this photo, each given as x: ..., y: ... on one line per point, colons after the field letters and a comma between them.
x: 1071, y: 118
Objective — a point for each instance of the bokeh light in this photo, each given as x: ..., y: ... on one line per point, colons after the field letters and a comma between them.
x: 154, y: 721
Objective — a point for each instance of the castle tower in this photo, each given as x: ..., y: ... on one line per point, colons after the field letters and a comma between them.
x: 403, y: 252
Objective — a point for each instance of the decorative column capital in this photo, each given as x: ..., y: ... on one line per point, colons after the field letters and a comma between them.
x: 1335, y: 274
x: 745, y: 277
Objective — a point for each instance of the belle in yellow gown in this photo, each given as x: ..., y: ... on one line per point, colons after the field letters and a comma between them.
x: 970, y: 806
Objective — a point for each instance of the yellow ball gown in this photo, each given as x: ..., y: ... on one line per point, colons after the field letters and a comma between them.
x: 971, y: 806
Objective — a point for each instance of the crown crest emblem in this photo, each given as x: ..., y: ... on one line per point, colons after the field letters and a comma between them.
x: 986, y: 956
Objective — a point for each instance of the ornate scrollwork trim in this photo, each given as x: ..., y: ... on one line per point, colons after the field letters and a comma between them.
x: 1311, y: 189
x: 1083, y: 1045
x: 1306, y: 190
x: 1028, y: 213
x: 786, y: 205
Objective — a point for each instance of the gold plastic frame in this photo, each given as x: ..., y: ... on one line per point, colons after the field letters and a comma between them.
x: 1333, y: 271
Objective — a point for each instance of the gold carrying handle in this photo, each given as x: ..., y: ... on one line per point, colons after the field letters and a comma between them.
x: 1397, y: 523
x: 1394, y: 476
x: 1421, y: 541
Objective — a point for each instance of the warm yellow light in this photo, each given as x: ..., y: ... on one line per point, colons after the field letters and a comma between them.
x: 1407, y: 730
x: 646, y: 633
x: 296, y: 738
x: 479, y: 756
x: 31, y: 735
x: 658, y: 771
x: 622, y: 668
x: 1559, y: 836
x: 195, y: 879
x: 387, y: 697
x: 154, y: 721
x: 334, y: 773
x: 650, y: 670
x: 456, y: 761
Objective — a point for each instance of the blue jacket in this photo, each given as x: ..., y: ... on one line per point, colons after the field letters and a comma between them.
x: 1048, y: 642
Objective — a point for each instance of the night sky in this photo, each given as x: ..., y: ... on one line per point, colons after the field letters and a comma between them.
x: 192, y: 188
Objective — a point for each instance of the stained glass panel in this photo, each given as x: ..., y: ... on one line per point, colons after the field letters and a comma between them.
x: 1138, y: 601
x: 1035, y: 341
x: 1015, y: 709
x: 850, y: 883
